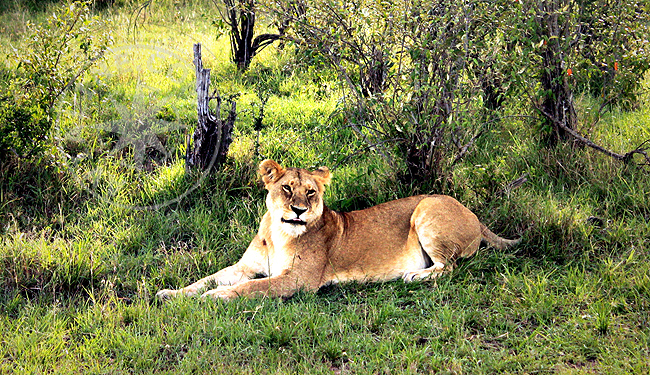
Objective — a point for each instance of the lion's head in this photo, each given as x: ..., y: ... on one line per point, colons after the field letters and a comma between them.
x: 295, y: 196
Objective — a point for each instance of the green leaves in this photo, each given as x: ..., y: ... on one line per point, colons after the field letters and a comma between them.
x: 54, y: 55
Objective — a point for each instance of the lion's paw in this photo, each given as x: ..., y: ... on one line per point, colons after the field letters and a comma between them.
x: 411, y: 276
x: 423, y: 274
x: 166, y: 294
x: 222, y: 292
x: 171, y: 293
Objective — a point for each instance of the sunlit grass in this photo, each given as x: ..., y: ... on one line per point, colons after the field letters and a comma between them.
x: 87, y: 246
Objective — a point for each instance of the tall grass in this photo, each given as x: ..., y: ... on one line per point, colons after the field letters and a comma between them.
x: 87, y: 241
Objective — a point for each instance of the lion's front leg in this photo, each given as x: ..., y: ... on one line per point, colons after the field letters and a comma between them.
x: 228, y: 276
x: 283, y: 285
x: 248, y: 266
x: 221, y: 292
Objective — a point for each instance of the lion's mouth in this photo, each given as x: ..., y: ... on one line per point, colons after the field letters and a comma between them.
x: 294, y: 221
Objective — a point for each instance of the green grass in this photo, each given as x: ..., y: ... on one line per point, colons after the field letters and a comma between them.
x: 87, y: 241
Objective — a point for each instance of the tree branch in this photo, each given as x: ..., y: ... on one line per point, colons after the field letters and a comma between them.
x: 264, y: 40
x: 625, y: 158
x: 463, y: 150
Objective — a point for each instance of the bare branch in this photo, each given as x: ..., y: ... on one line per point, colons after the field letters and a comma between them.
x: 463, y: 150
x: 368, y: 147
x: 513, y: 185
x: 625, y: 158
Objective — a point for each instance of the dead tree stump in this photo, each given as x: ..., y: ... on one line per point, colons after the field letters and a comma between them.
x: 213, y: 134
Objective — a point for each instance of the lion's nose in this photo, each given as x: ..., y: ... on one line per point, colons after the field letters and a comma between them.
x: 298, y: 210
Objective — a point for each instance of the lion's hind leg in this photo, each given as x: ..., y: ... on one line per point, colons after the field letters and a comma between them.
x: 435, y: 255
x: 445, y: 230
x: 440, y: 259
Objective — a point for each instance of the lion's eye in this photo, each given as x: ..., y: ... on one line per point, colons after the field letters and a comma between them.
x: 311, y: 192
x: 286, y: 188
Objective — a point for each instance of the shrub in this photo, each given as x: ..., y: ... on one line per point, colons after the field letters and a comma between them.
x: 54, y: 55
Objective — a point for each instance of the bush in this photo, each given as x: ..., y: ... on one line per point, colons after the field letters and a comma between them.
x: 24, y: 123
x: 405, y: 69
x: 613, y: 55
x: 55, y: 54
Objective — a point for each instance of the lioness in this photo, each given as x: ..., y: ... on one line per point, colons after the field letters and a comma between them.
x: 302, y: 244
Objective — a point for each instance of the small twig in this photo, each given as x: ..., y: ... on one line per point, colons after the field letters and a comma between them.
x: 463, y: 150
x: 639, y: 150
x: 513, y: 185
x: 135, y: 15
x: 364, y: 150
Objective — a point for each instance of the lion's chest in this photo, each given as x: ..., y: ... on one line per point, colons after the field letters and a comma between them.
x: 280, y: 256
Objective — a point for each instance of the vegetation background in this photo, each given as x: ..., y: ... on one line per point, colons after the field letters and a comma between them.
x: 97, y: 212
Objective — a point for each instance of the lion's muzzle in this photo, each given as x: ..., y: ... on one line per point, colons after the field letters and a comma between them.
x: 296, y: 220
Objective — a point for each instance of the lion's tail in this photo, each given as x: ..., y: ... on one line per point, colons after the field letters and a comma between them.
x: 496, y: 241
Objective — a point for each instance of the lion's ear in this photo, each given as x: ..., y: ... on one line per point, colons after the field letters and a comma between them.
x: 270, y: 171
x: 324, y: 174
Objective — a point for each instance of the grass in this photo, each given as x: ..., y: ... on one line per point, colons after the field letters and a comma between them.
x: 81, y: 259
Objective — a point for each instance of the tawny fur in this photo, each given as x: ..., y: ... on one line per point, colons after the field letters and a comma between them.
x: 302, y: 244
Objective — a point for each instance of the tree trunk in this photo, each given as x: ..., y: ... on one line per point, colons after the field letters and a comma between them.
x: 213, y: 134
x: 240, y: 16
x: 557, y: 105
x: 242, y: 24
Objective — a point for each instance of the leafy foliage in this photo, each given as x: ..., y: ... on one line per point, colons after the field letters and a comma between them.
x: 555, y: 49
x: 416, y: 71
x: 614, y: 49
x: 405, y: 67
x: 55, y: 54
